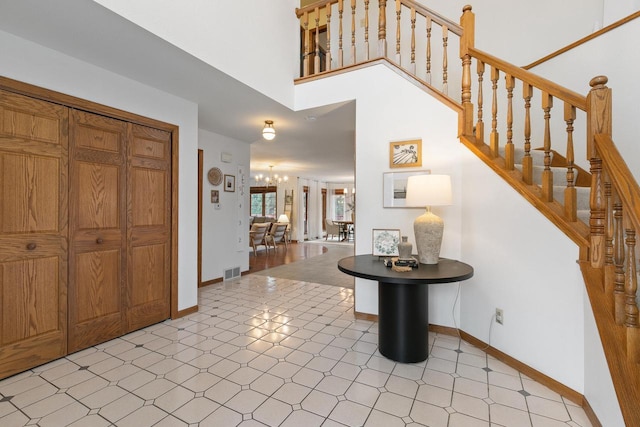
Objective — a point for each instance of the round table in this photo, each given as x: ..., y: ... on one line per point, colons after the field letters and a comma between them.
x: 403, y: 301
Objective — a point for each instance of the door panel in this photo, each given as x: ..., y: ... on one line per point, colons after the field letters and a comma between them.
x: 149, y: 227
x: 98, y: 229
x: 33, y: 232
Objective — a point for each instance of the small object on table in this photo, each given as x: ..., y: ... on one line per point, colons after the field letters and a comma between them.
x: 404, y: 249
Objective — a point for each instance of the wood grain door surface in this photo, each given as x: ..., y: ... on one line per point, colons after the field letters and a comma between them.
x: 97, y: 218
x: 85, y: 229
x: 33, y: 232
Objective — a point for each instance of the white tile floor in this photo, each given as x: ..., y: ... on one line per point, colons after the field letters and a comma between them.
x: 276, y: 352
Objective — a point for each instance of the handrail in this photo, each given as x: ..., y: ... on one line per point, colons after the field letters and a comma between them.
x: 620, y: 176
x: 584, y: 40
x: 573, y: 98
x: 311, y: 7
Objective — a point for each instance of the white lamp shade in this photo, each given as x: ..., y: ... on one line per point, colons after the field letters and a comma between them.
x: 428, y: 190
x: 283, y: 218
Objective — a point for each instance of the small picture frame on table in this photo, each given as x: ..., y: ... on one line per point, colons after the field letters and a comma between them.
x: 385, y: 241
x: 230, y: 183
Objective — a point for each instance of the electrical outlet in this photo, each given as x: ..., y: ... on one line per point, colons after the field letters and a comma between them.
x: 499, y: 316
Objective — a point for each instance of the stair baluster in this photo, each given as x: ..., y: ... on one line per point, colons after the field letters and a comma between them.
x: 480, y: 123
x: 547, y: 175
x: 570, y: 193
x: 412, y: 65
x: 428, y: 76
x: 305, y: 61
x: 353, y: 31
x: 618, y: 260
x: 631, y: 305
x: 382, y: 28
x: 328, y: 53
x: 527, y: 161
x: 609, y: 269
x: 316, y: 60
x: 445, y: 39
x: 508, y: 149
x: 398, y: 11
x: 494, y: 137
x: 366, y: 30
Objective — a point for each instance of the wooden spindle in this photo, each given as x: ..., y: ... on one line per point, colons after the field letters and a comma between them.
x: 328, y: 55
x: 480, y: 123
x: 631, y: 305
x: 382, y: 28
x: 316, y: 60
x: 618, y: 262
x: 428, y: 76
x: 445, y: 39
x: 570, y: 193
x: 631, y: 281
x: 547, y: 175
x: 340, y: 51
x: 305, y: 60
x: 527, y: 160
x: 596, y: 220
x: 398, y: 11
x: 353, y: 31
x: 366, y: 30
x: 412, y: 66
x: 609, y: 233
x: 509, y: 151
x: 494, y: 140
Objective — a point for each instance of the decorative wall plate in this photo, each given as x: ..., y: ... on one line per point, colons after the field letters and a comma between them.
x: 214, y: 176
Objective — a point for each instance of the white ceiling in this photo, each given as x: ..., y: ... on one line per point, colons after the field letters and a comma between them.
x: 320, y: 149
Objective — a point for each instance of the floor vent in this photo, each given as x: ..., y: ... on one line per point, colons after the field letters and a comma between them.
x: 231, y: 273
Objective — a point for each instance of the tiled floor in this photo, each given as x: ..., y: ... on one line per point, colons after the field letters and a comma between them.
x: 276, y: 352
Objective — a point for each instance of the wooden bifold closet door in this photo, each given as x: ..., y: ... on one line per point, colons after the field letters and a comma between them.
x: 85, y: 229
x: 119, y: 269
x: 33, y: 232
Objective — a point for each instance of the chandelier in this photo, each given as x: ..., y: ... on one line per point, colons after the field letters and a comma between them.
x: 271, y: 180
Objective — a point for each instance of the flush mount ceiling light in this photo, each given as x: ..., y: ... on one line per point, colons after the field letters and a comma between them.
x: 268, y: 131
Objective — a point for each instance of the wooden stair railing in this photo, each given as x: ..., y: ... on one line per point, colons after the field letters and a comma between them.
x: 409, y: 46
x: 604, y: 229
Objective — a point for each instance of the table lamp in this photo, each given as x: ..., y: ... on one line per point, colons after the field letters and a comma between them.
x: 428, y: 190
x: 283, y: 218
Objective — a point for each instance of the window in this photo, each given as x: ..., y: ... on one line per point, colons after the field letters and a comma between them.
x: 338, y: 204
x: 263, y: 201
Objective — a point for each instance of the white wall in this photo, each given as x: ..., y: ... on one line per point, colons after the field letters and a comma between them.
x: 225, y: 231
x: 405, y: 113
x: 609, y: 55
x: 28, y: 62
x: 263, y: 54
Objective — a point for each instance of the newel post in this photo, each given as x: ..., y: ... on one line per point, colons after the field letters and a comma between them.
x: 467, y: 22
x: 598, y: 122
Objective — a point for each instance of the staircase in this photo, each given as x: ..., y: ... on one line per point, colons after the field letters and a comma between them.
x: 599, y: 210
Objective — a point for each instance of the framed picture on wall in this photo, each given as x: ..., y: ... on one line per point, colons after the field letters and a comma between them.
x: 394, y: 188
x: 230, y: 183
x: 405, y: 154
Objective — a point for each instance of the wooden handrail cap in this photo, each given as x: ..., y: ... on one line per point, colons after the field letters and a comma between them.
x: 466, y: 8
x: 598, y: 81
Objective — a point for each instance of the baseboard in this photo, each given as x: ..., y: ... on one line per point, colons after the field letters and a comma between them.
x: 365, y: 316
x: 186, y: 312
x: 211, y: 282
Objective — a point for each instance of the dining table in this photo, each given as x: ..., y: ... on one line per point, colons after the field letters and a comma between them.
x: 345, y: 227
